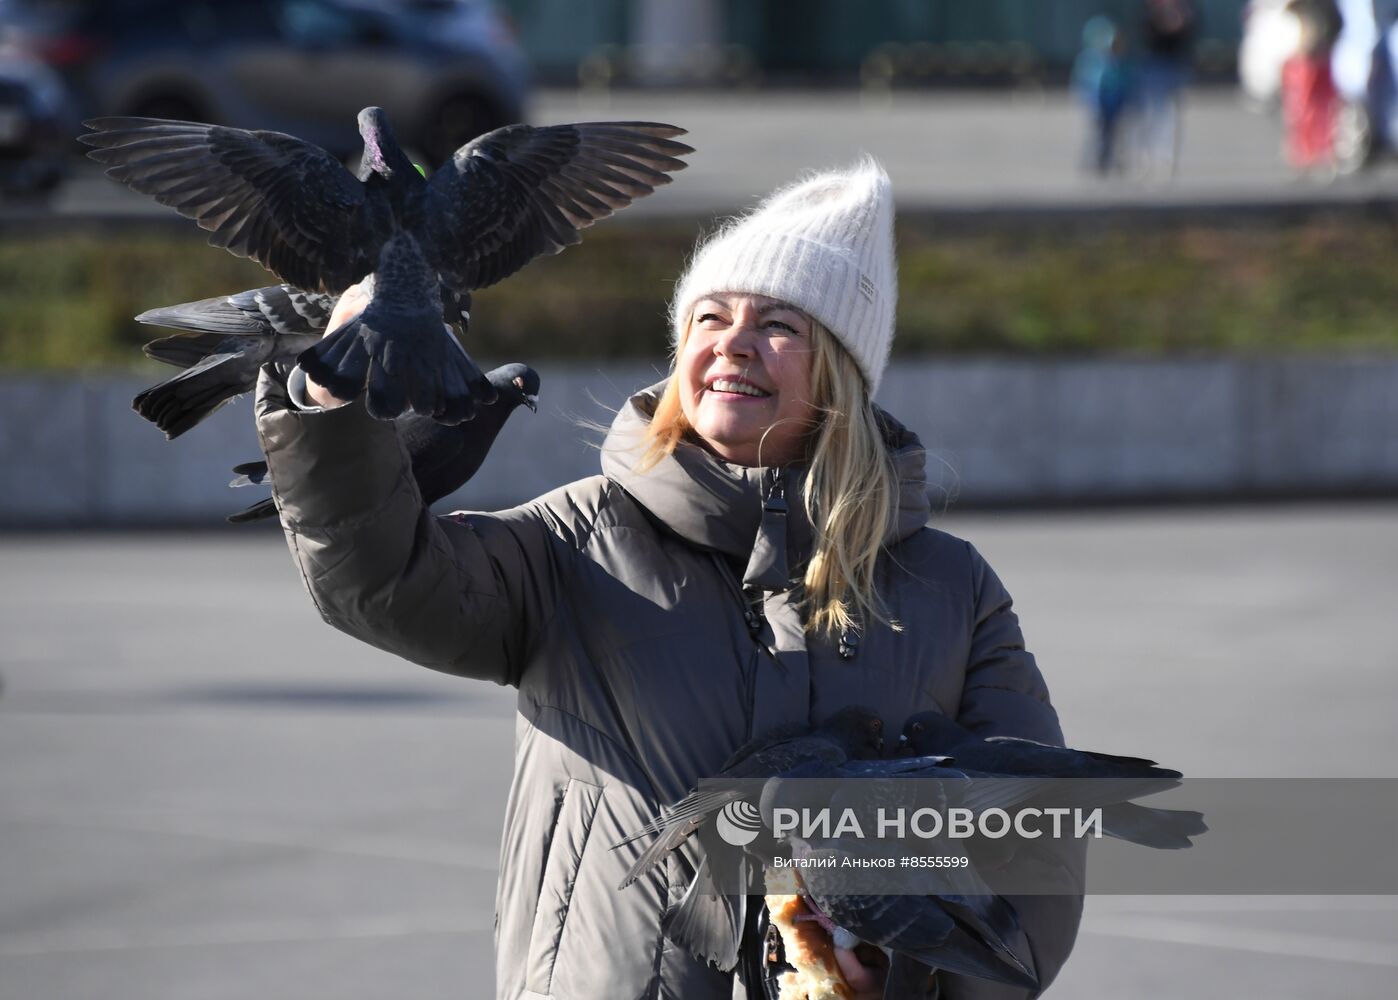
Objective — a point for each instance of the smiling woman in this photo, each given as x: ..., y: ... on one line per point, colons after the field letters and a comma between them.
x: 743, y: 377
x: 755, y: 554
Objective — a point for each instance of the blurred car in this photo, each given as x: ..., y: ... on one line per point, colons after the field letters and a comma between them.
x: 444, y: 70
x: 36, y: 126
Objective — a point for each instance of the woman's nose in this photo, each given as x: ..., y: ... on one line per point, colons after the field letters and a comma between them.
x: 739, y: 340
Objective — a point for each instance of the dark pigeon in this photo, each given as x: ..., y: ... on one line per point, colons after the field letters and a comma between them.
x: 444, y: 458
x: 944, y: 918
x: 232, y: 337
x: 967, y: 932
x: 848, y: 734
x: 710, y: 924
x: 502, y: 200
x: 1111, y: 781
x: 961, y: 926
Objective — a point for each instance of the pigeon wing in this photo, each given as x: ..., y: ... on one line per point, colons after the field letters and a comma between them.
x: 520, y: 192
x: 285, y: 203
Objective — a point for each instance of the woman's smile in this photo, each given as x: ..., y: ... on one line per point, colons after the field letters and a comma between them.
x: 745, y: 378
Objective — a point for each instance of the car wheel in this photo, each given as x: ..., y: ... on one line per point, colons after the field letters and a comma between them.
x: 456, y: 121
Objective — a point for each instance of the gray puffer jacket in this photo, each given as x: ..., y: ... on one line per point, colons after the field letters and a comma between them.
x: 650, y: 625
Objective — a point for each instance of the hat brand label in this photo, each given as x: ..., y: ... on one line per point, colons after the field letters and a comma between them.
x: 866, y: 287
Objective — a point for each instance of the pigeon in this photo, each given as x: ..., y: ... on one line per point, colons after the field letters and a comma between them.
x: 944, y: 918
x: 1058, y: 772
x: 959, y: 925
x: 443, y: 457
x: 501, y: 200
x: 708, y: 923
x: 850, y: 733
x: 232, y: 337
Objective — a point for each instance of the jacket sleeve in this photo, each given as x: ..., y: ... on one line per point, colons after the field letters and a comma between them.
x: 1005, y: 695
x: 465, y: 594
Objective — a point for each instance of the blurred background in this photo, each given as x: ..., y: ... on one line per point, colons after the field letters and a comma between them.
x: 1148, y: 331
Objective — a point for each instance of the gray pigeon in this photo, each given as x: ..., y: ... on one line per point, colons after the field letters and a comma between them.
x: 502, y: 200
x: 232, y: 337
x: 947, y: 918
x: 443, y: 457
x: 709, y: 923
x: 849, y: 734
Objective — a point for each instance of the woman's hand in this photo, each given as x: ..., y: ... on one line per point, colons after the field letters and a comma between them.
x: 351, y: 304
x: 867, y: 980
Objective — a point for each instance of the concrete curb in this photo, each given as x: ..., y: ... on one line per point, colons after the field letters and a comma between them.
x: 73, y: 454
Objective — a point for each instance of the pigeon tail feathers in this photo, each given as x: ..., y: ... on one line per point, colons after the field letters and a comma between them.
x: 179, y: 403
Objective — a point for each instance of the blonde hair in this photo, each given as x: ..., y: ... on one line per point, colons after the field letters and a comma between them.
x: 851, y: 485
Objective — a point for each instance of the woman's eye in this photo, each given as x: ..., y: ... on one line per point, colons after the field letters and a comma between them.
x: 782, y: 326
x: 714, y: 317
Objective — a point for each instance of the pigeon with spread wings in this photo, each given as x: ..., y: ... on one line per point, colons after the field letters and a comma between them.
x: 503, y: 199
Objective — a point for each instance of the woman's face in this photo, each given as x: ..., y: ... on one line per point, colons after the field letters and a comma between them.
x: 744, y: 371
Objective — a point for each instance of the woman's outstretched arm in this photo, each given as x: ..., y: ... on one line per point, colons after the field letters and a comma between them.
x: 464, y: 594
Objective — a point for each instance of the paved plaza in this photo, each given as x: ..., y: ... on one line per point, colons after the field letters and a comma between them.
x: 207, y: 794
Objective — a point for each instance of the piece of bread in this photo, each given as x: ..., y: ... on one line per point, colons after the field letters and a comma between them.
x: 808, y: 948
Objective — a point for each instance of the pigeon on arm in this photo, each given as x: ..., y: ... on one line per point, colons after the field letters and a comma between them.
x: 443, y: 457
x: 503, y: 199
x: 230, y: 337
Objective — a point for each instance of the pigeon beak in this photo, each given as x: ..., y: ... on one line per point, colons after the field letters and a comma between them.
x: 532, y: 402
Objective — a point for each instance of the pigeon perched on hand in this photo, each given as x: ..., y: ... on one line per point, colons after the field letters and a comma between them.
x: 443, y: 457
x: 502, y: 200
x: 1111, y: 783
x: 233, y: 337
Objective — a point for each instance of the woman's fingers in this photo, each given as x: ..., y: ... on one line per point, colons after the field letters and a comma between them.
x: 866, y: 980
x: 351, y: 304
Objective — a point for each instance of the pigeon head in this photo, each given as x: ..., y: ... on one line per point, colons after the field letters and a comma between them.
x: 857, y: 729
x: 930, y: 733
x: 382, y: 154
x: 516, y: 384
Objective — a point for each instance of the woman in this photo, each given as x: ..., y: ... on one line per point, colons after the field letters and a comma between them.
x: 755, y: 553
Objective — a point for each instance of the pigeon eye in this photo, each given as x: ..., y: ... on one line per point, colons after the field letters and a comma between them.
x: 918, y: 727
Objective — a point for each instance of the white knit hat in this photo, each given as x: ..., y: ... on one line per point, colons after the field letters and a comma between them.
x: 825, y: 245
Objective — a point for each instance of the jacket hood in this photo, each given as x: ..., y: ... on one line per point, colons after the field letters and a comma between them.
x: 729, y: 508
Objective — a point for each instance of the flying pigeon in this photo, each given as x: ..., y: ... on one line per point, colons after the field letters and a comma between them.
x: 502, y: 199
x: 1059, y: 772
x: 443, y: 457
x: 232, y: 337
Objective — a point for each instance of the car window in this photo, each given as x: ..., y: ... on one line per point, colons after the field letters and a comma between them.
x: 312, y: 22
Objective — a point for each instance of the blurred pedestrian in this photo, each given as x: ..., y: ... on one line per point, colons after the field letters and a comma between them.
x: 1309, y: 98
x: 1168, y: 29
x: 1103, y: 81
x: 1362, y: 66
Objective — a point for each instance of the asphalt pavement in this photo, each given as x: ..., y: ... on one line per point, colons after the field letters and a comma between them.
x: 1019, y: 150
x: 208, y: 794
